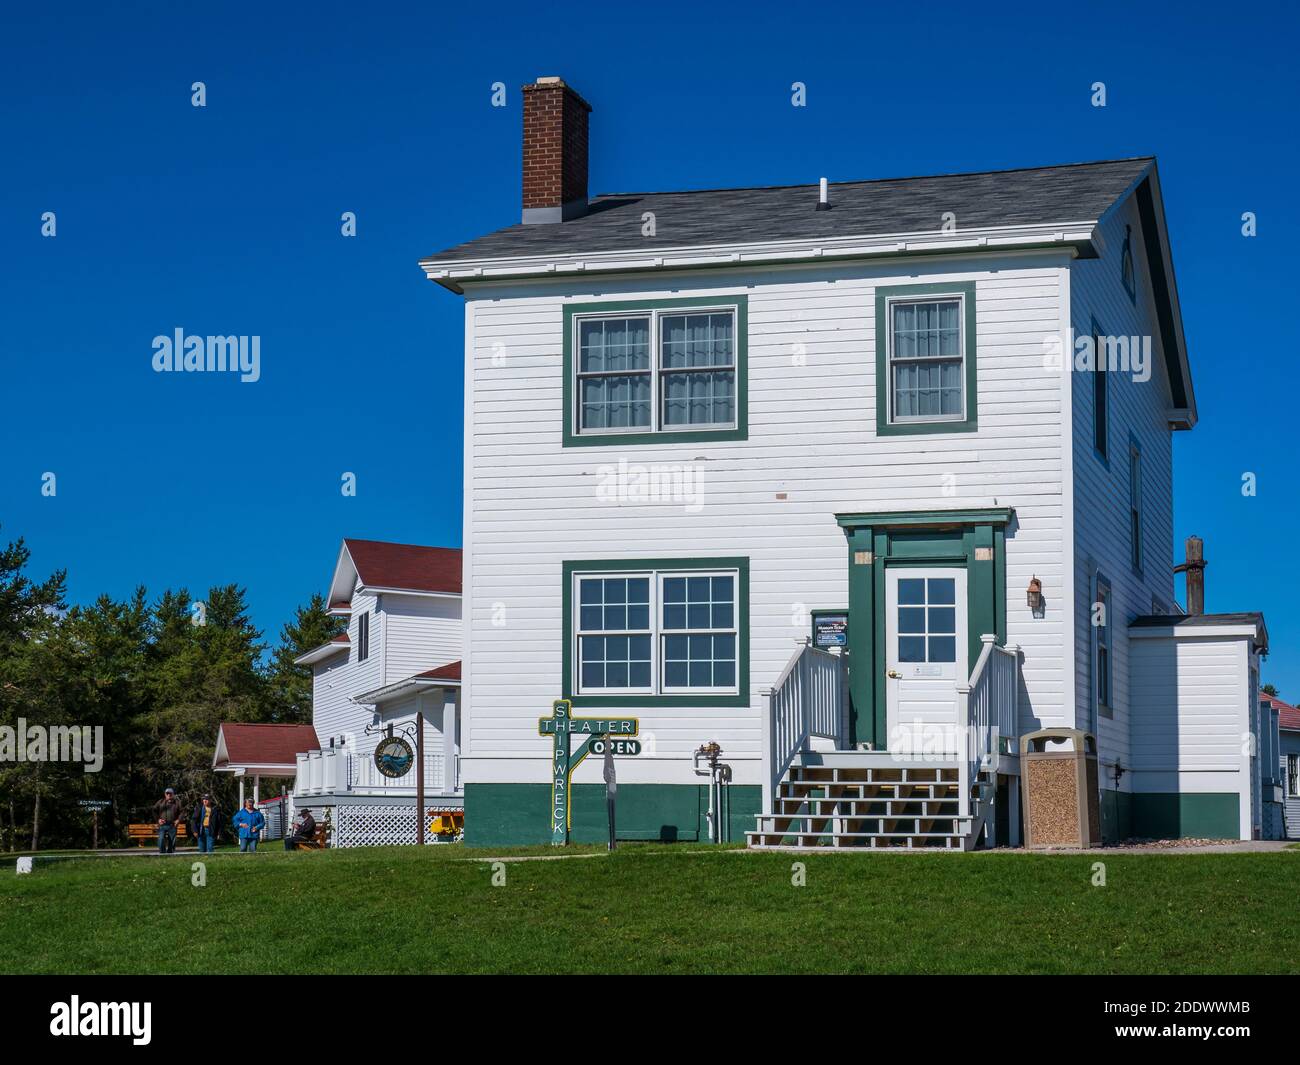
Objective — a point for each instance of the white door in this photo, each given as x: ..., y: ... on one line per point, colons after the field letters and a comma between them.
x: 925, y: 660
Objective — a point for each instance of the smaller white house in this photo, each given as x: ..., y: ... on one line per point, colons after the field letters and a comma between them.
x: 395, y: 669
x: 1203, y: 751
x: 1287, y: 791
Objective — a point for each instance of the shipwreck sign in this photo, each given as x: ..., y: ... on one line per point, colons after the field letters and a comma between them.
x: 563, y: 726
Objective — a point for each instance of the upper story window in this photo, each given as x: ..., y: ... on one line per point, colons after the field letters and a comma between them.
x: 925, y: 358
x: 1135, y: 504
x: 363, y: 636
x: 655, y: 371
x: 1100, y: 396
x: 1126, y: 272
x: 670, y: 631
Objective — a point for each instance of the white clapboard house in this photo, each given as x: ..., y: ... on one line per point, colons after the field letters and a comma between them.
x: 697, y: 422
x: 399, y: 658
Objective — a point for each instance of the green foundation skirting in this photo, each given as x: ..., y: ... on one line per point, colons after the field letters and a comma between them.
x: 1116, y: 815
x: 1168, y: 815
x: 509, y: 815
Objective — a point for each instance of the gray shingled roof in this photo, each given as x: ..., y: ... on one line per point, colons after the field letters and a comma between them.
x: 1195, y: 621
x: 1165, y: 621
x: 1079, y: 192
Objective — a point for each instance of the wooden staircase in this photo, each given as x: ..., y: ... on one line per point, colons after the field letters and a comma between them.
x: 871, y: 800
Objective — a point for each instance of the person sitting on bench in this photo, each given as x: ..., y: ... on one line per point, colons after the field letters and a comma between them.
x: 303, y: 832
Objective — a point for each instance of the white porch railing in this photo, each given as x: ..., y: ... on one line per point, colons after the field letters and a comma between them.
x: 988, y: 710
x: 810, y: 699
x: 364, y: 774
x: 338, y: 770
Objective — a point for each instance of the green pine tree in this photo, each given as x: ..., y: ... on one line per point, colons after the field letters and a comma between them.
x: 291, y: 685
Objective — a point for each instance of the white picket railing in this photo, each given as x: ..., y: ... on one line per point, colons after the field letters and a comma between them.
x: 363, y: 773
x: 810, y: 699
x: 988, y: 710
x: 337, y: 770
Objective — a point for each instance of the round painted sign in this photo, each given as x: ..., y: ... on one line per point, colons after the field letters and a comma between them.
x: 394, y: 757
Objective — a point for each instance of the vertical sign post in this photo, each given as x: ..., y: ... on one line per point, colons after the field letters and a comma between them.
x: 611, y: 788
x: 561, y: 725
x: 419, y: 778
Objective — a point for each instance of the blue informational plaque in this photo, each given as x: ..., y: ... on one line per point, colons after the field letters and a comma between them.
x: 830, y: 628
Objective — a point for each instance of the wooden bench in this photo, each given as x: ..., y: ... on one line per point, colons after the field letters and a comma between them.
x: 145, y: 834
x: 318, y: 841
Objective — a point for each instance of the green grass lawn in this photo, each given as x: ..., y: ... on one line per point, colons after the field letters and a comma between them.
x: 657, y: 909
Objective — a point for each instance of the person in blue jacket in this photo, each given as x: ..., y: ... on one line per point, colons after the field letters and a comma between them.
x: 249, y: 822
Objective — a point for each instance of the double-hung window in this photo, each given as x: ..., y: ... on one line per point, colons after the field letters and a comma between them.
x: 1102, y: 661
x: 670, y: 630
x: 925, y: 358
x: 655, y: 371
x: 363, y: 636
x: 614, y: 374
x: 1293, y: 775
x: 698, y: 619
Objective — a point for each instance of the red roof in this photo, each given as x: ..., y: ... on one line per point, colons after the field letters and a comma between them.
x: 410, y: 566
x: 342, y: 637
x: 1288, y: 717
x: 263, y: 744
x: 451, y: 671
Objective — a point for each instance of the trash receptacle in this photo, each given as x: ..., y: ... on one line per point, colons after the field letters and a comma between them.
x: 1060, y: 788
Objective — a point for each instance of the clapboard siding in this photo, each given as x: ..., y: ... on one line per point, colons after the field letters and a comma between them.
x: 531, y: 503
x: 333, y: 713
x: 408, y: 635
x: 1101, y: 492
x: 420, y: 633
x: 1194, y: 714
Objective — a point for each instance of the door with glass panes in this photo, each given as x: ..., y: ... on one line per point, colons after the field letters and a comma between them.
x: 926, y: 656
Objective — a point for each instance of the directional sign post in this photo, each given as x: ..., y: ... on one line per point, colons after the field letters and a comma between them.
x: 94, y: 805
x: 562, y: 725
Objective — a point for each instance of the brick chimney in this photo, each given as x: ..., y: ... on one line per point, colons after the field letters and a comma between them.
x: 555, y: 152
x: 1194, y: 567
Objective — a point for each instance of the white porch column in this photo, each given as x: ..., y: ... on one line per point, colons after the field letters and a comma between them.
x: 435, y: 716
x: 241, y: 792
x: 450, y: 737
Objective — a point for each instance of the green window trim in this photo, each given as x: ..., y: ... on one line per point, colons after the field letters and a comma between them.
x: 884, y: 386
x: 616, y: 565
x: 740, y: 431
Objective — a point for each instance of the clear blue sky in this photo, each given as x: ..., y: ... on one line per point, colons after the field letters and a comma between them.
x: 225, y: 219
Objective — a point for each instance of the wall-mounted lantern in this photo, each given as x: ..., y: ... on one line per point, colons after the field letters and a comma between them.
x: 1034, y: 596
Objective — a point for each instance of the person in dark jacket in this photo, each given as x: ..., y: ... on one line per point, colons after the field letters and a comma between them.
x: 303, y: 832
x: 168, y: 812
x: 205, y: 824
x: 250, y: 822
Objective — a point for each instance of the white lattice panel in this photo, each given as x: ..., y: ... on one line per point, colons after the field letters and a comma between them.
x: 374, y: 826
